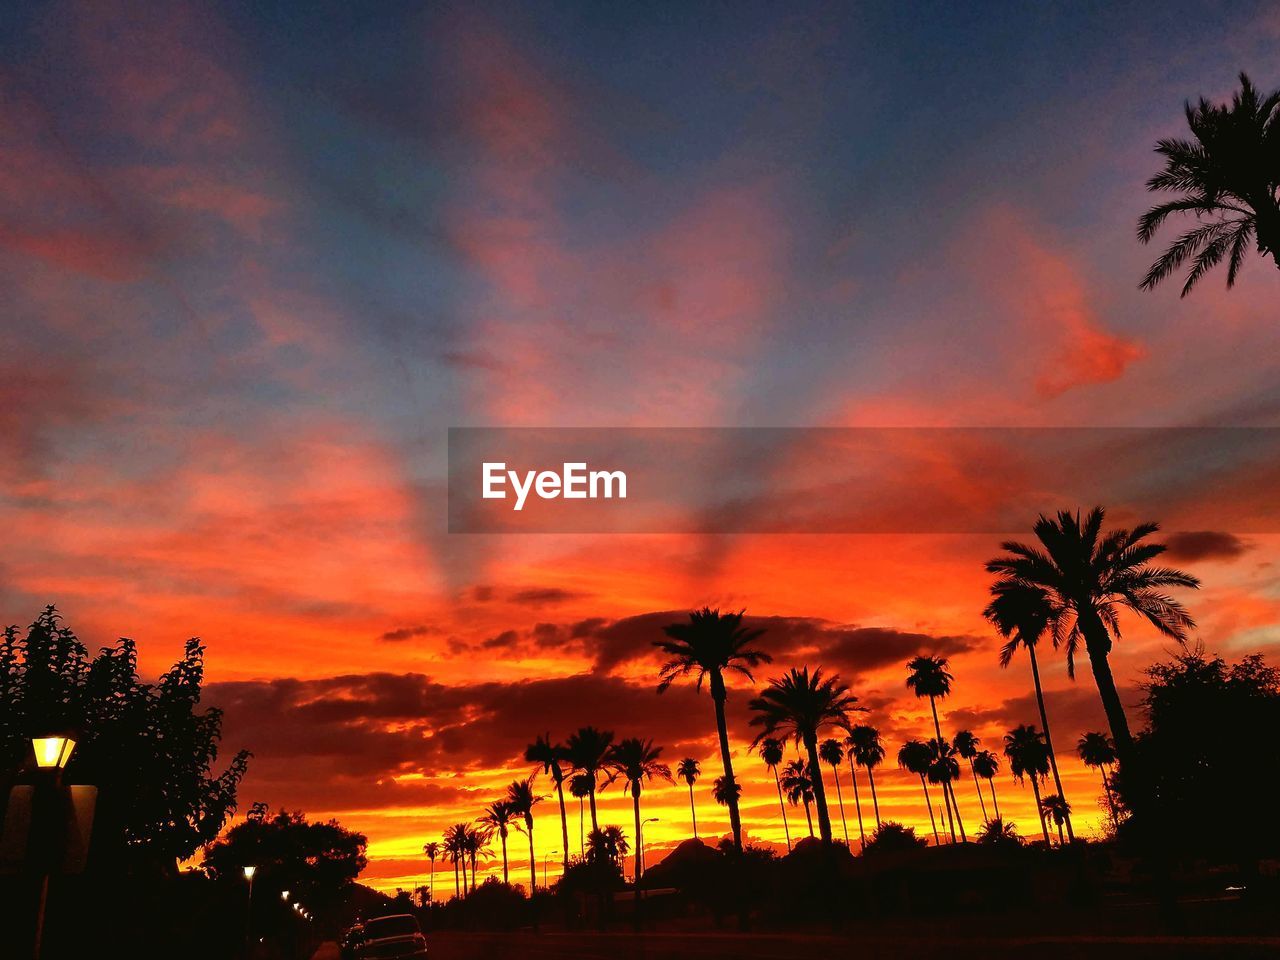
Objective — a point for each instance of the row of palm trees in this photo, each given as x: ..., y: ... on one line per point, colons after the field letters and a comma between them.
x: 1071, y: 587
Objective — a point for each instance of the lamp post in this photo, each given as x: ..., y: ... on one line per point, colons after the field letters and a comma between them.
x: 549, y: 853
x: 52, y: 754
x: 640, y: 849
x: 249, y: 871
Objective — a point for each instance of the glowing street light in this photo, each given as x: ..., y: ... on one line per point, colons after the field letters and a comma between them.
x: 284, y: 895
x: 249, y: 871
x: 52, y: 753
x: 549, y: 853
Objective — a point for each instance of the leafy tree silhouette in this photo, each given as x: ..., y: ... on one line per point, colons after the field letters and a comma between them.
x: 148, y: 747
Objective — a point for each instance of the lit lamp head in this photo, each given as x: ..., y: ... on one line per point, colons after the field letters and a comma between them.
x: 52, y: 753
x: 249, y: 872
x: 284, y: 895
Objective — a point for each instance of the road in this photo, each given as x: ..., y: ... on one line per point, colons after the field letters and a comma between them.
x: 731, y: 946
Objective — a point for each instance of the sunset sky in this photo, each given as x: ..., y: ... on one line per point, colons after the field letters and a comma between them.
x: 257, y: 261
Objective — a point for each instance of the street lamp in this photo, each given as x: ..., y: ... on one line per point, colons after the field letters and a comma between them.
x: 52, y: 754
x: 284, y: 895
x: 549, y: 853
x: 249, y: 871
x: 640, y: 848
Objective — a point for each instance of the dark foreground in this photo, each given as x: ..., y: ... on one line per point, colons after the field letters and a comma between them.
x: 701, y: 946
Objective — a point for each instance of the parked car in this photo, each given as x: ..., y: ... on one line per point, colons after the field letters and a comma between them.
x: 392, y: 938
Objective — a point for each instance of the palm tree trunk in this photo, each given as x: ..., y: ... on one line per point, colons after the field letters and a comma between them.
x: 929, y: 804
x: 1048, y: 739
x: 994, y: 801
x: 455, y: 879
x: 808, y: 816
x: 955, y: 805
x: 1098, y: 642
x: 782, y: 803
x: 977, y: 786
x: 1044, y: 825
x: 835, y: 773
x: 875, y: 801
x: 595, y: 823
x: 718, y: 696
x: 473, y: 871
x: 564, y: 822
x: 582, y: 830
x: 533, y: 863
x: 857, y: 801
x: 1061, y: 840
x: 946, y: 784
x: 431, y: 884
x: 1111, y: 800
x: 639, y: 869
x: 819, y: 791
x: 946, y: 803
x: 505, y: 878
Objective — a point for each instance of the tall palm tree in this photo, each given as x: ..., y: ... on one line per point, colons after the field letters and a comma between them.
x: 521, y: 799
x: 432, y: 850
x: 1022, y: 614
x: 476, y: 844
x: 857, y: 797
x: 499, y: 816
x: 581, y: 785
x: 916, y: 757
x: 798, y: 783
x: 635, y: 761
x: 868, y: 751
x: 986, y: 765
x: 831, y: 752
x: 608, y: 845
x: 928, y: 677
x: 1029, y: 758
x: 588, y: 750
x: 966, y: 745
x: 688, y: 770
x: 1097, y: 750
x: 798, y: 705
x: 455, y: 843
x: 1227, y: 177
x: 771, y: 753
x: 1087, y: 579
x: 708, y: 645
x: 944, y: 769
x: 1055, y: 806
x: 553, y: 757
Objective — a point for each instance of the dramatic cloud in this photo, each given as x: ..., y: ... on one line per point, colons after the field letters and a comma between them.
x: 1190, y: 546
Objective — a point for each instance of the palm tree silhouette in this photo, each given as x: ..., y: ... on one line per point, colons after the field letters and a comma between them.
x: 587, y: 750
x: 831, y: 752
x: 868, y: 751
x: 986, y: 765
x: 1227, y: 177
x: 455, y: 844
x: 1087, y: 578
x: 581, y: 785
x: 432, y: 850
x: 726, y: 791
x: 1022, y: 613
x: 688, y: 770
x: 771, y: 753
x: 1029, y: 758
x: 551, y: 757
x: 1058, y: 808
x: 1097, y: 750
x: 996, y: 832
x: 857, y: 797
x: 966, y: 745
x: 708, y: 645
x: 916, y: 757
x: 944, y: 769
x: 608, y: 845
x: 799, y: 704
x: 521, y: 800
x: 928, y: 677
x: 636, y: 760
x: 500, y: 816
x: 799, y: 786
x: 475, y: 843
